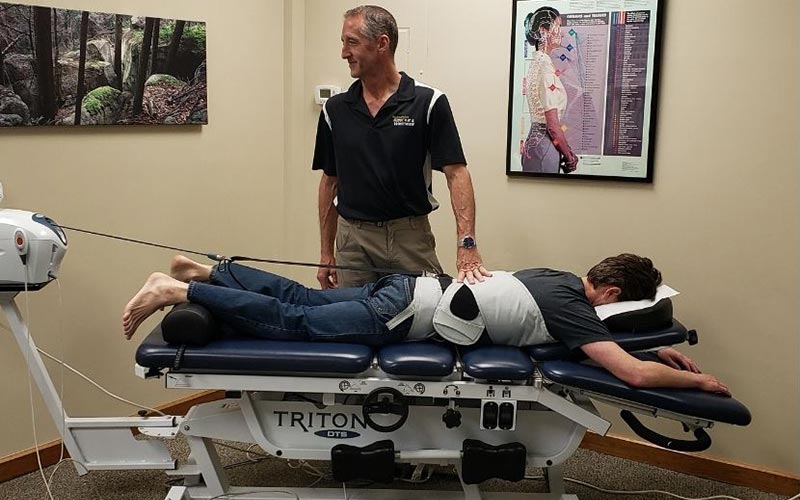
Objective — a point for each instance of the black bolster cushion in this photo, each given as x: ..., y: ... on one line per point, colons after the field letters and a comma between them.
x: 190, y: 324
x: 659, y: 315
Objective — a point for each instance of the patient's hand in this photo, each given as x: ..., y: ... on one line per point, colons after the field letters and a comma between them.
x: 710, y: 383
x: 677, y: 360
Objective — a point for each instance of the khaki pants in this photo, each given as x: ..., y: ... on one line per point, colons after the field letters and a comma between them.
x: 404, y: 244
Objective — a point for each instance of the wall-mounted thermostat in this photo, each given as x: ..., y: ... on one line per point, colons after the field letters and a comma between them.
x: 324, y: 92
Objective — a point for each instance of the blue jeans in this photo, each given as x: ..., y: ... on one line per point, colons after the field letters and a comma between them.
x: 261, y: 304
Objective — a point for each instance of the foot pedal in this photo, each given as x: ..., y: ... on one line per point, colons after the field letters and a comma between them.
x: 481, y: 461
x: 506, y: 416
x: 498, y: 415
x: 374, y: 462
x: 489, y: 415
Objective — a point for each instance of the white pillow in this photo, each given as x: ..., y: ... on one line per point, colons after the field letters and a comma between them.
x: 607, y: 310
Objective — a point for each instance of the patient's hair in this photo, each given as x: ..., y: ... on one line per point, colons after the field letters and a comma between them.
x: 634, y: 275
x: 377, y: 21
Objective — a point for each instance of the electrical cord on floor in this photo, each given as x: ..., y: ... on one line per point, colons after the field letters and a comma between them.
x: 63, y: 460
x: 256, y: 492
x: 309, y: 469
x: 249, y: 461
x: 301, y: 465
x: 247, y: 452
x: 642, y: 492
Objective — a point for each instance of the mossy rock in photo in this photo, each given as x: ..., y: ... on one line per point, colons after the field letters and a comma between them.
x: 101, y: 106
x: 160, y: 80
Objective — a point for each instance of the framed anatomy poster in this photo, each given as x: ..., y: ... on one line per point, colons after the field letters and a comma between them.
x: 583, y: 89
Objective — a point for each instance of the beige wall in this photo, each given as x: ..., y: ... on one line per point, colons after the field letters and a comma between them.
x: 721, y: 218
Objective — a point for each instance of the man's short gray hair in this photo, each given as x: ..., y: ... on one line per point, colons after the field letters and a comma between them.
x: 377, y: 21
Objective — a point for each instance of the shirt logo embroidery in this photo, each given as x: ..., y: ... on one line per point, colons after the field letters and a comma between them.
x: 403, y: 121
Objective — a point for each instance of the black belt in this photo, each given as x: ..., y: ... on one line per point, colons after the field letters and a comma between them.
x: 382, y: 223
x: 444, y: 281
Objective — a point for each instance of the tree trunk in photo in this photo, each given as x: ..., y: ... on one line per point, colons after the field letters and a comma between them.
x: 81, y: 67
x: 154, y: 50
x: 44, y: 61
x: 144, y: 59
x: 56, y: 66
x: 30, y: 32
x: 118, y: 49
x: 172, y: 54
x: 3, y: 52
x: 67, y: 29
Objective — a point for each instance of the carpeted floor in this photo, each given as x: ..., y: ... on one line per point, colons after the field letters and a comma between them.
x: 597, y: 469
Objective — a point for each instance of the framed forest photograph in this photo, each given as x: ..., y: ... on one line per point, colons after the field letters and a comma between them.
x: 67, y: 67
x: 582, y: 93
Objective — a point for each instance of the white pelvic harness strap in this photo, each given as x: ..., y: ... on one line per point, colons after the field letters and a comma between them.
x: 427, y: 293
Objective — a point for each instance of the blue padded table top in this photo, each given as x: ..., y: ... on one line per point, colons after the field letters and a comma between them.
x: 417, y: 359
x: 253, y: 355
x: 496, y: 362
x: 691, y: 402
x: 673, y: 334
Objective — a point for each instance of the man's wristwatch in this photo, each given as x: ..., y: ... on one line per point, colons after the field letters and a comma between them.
x: 467, y: 242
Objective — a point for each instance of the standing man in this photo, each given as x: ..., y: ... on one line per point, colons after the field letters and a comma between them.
x: 376, y: 145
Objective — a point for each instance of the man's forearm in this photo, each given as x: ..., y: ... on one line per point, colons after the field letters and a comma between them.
x: 653, y: 374
x: 327, y: 215
x: 462, y: 198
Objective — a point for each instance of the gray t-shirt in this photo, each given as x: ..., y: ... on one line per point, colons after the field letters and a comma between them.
x: 569, y: 316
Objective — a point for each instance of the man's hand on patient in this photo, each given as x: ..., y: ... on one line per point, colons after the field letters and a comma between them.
x: 470, y: 266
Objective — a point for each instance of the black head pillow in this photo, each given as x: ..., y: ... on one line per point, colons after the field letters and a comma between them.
x: 658, y: 315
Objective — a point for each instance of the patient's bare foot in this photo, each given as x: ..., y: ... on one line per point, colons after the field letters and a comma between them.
x: 185, y: 269
x: 158, y: 292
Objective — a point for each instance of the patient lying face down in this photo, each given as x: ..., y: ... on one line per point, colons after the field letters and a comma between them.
x: 528, y: 307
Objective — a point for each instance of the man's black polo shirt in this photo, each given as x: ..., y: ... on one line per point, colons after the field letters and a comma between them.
x: 383, y: 164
